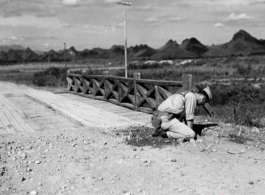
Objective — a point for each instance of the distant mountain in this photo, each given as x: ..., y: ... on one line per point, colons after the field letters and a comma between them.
x: 38, y: 52
x: 50, y: 56
x: 171, y: 50
x: 98, y: 53
x: 84, y: 54
x: 27, y: 55
x: 116, y: 51
x: 243, y: 43
x: 73, y: 52
x: 93, y: 53
x: 194, y: 46
x: 216, y: 51
x: 6, y: 48
x: 170, y: 43
x: 13, y: 56
x: 70, y: 54
x: 141, y: 51
x: 3, y: 56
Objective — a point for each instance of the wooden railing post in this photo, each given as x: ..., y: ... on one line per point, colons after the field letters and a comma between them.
x: 187, y: 82
x: 105, y: 72
x: 117, y: 88
x: 94, y: 88
x: 157, y: 96
x: 119, y: 92
x: 136, y: 76
x: 82, y: 83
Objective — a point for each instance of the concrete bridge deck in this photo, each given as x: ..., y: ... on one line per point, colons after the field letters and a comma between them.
x: 24, y: 109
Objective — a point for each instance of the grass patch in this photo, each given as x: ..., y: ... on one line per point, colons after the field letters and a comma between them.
x: 238, y: 102
x: 53, y: 76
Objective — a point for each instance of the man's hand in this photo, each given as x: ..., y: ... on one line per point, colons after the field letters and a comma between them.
x: 190, y: 124
x: 160, y: 132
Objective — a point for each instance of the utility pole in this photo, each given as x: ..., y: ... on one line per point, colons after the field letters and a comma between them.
x: 125, y: 36
x: 64, y: 54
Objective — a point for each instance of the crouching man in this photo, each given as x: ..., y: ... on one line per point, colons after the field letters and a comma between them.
x: 179, y: 107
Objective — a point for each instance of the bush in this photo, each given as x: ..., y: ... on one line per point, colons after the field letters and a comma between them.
x: 236, y: 93
x: 50, y: 77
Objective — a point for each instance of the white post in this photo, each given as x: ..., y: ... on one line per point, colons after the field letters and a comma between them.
x: 125, y: 36
x: 125, y: 43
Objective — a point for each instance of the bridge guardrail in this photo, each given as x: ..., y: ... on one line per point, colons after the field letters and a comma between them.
x: 139, y: 94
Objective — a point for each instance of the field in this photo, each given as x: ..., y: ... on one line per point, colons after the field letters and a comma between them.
x: 73, y: 159
x: 237, y: 83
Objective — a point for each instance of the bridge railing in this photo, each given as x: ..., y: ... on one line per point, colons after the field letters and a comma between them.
x: 139, y: 94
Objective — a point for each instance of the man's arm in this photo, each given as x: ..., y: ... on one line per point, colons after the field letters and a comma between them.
x: 190, y: 123
x: 190, y: 106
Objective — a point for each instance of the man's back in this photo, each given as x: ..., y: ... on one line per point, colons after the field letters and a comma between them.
x: 178, y: 102
x: 173, y: 104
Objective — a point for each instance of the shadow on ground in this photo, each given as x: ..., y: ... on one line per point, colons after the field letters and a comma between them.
x: 142, y: 136
x: 199, y: 127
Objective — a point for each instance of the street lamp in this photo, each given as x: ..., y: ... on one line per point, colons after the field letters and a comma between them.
x: 125, y: 35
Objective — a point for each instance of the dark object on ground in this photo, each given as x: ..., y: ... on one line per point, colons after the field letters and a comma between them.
x: 143, y: 137
x: 160, y: 132
x: 199, y: 127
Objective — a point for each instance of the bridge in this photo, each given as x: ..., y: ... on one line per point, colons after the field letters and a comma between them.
x: 101, y: 101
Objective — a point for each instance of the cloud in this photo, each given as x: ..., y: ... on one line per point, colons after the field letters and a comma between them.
x: 112, y: 1
x: 218, y: 25
x: 9, y: 39
x: 220, y: 4
x: 152, y: 20
x: 145, y: 8
x: 162, y: 18
x: 233, y: 17
x: 257, y: 2
x: 12, y: 39
x: 7, y: 14
x: 175, y: 19
x: 229, y: 2
x: 31, y: 22
x: 44, y: 47
x: 20, y: 8
x: 26, y: 38
x: 120, y: 25
x: 71, y: 2
x: 46, y: 13
x: 4, y: 41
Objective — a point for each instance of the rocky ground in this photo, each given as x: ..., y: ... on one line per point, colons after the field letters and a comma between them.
x: 81, y: 160
x: 78, y: 160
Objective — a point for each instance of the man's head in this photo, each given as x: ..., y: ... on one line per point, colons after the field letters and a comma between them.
x: 204, y: 96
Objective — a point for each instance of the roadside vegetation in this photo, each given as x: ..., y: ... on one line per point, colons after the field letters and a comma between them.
x: 240, y: 102
x: 53, y: 76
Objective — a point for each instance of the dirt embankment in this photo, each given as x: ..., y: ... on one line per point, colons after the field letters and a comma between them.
x: 96, y: 161
x: 79, y: 160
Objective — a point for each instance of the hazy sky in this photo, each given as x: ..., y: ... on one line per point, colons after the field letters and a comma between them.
x: 47, y: 24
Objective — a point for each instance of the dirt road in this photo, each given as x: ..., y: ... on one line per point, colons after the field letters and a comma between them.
x: 84, y: 160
